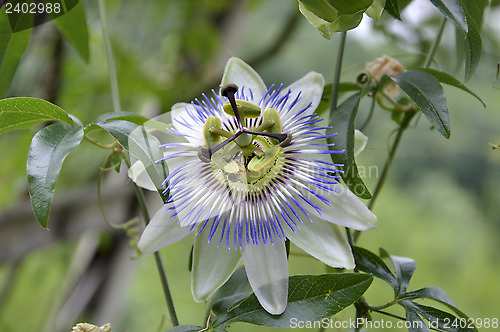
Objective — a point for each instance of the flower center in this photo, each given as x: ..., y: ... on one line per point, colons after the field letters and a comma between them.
x: 245, y: 156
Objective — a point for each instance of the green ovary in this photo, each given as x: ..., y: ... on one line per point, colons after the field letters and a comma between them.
x: 243, y: 168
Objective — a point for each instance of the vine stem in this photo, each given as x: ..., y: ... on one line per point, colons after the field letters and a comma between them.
x: 338, y: 69
x: 404, y: 124
x: 98, y: 144
x: 370, y: 114
x: 435, y: 45
x: 138, y: 191
x: 333, y: 107
x: 104, y: 167
x: 362, y: 304
x: 335, y: 96
x: 159, y: 264
x: 115, y: 96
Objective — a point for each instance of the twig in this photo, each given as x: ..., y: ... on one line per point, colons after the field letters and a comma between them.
x: 159, y: 264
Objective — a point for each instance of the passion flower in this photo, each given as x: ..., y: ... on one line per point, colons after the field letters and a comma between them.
x: 251, y: 169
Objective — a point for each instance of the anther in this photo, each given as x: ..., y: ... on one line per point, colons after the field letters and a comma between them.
x: 287, y: 140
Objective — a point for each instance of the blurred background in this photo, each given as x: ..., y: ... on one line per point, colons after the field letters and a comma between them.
x: 440, y: 205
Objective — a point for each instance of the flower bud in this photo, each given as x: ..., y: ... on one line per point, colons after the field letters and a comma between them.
x: 385, y: 65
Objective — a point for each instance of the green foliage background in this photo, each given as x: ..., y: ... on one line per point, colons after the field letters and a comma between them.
x: 440, y: 206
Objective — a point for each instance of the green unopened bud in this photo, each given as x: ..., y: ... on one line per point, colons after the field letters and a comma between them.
x: 245, y: 108
x: 258, y: 164
x: 210, y: 139
x: 272, y: 115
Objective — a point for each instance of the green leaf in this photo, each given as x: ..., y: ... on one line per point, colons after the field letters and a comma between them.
x: 453, y: 11
x: 73, y: 26
x: 450, y: 80
x: 404, y: 267
x: 369, y: 262
x: 328, y: 27
x: 91, y: 127
x: 342, y: 120
x: 24, y: 112
x: 224, y: 298
x: 46, y: 154
x: 375, y: 10
x: 320, y: 8
x: 330, y: 16
x: 130, y: 117
x: 310, y: 297
x: 440, y: 319
x: 186, y: 328
x: 472, y: 49
x: 392, y: 7
x: 476, y: 10
x: 349, y: 7
x: 116, y: 159
x: 12, y: 47
x: 417, y: 323
x: 141, y: 145
x: 126, y: 116
x: 225, y: 304
x: 330, y: 10
x: 425, y: 90
x: 436, y: 294
x: 397, y: 117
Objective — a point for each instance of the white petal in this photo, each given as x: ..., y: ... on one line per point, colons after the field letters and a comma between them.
x: 194, y: 201
x: 323, y: 241
x: 184, y: 122
x: 161, y: 231
x: 310, y: 88
x: 212, y: 266
x: 307, y: 155
x: 178, y: 161
x: 360, y: 141
x: 240, y: 73
x: 267, y: 271
x: 137, y: 173
x: 346, y: 209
